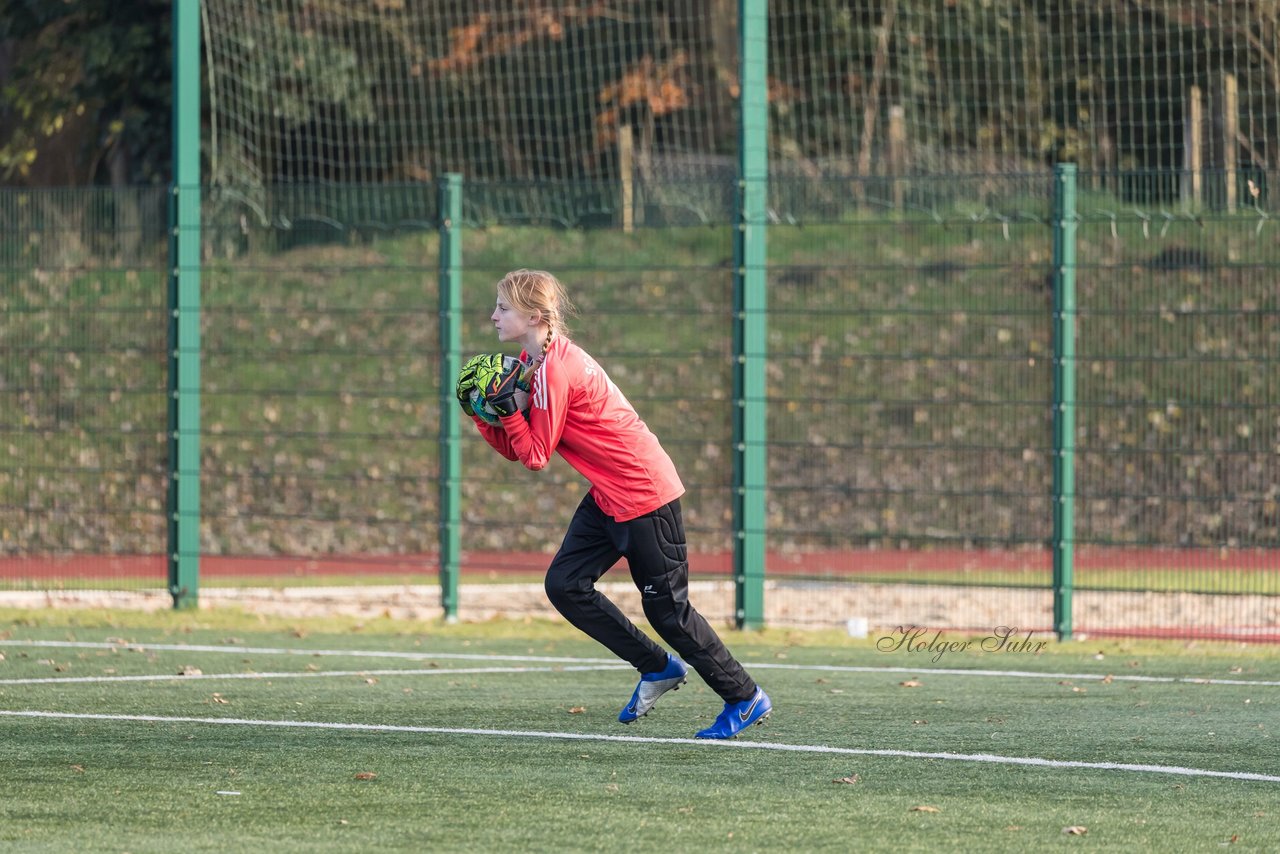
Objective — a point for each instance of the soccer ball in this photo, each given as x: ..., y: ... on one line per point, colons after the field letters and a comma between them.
x: 481, y: 406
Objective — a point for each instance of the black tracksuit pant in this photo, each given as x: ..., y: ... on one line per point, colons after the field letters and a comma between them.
x: 654, y: 546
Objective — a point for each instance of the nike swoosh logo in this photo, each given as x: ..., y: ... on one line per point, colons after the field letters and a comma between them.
x: 742, y: 716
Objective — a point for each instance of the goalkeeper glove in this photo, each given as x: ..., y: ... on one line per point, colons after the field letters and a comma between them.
x: 500, y: 393
x: 476, y: 373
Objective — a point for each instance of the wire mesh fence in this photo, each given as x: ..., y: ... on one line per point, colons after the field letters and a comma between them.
x: 82, y: 387
x: 568, y: 91
x: 909, y: 400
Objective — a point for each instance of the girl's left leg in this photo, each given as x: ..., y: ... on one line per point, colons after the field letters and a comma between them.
x: 654, y: 545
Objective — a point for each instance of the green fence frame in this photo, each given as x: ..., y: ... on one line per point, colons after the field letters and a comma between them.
x: 183, y: 510
x: 750, y: 332
x: 1064, y: 394
x: 750, y: 325
x: 450, y: 364
x: 750, y: 320
x: 1106, y: 368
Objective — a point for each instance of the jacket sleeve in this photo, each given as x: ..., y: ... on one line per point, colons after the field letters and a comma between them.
x: 496, y: 437
x: 534, y: 441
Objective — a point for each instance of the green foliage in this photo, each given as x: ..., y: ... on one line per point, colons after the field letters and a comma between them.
x: 395, y: 91
x: 89, y: 80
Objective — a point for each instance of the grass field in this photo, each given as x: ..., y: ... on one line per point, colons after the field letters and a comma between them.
x: 220, y: 731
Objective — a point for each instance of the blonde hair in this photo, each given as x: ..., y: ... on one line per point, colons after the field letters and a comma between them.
x: 538, y: 292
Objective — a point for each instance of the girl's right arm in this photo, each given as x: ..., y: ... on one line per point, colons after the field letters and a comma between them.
x: 496, y: 437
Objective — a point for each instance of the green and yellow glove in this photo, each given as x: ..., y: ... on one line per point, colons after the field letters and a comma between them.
x: 478, y: 372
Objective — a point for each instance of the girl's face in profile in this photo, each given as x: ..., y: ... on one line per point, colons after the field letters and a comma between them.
x: 510, y: 324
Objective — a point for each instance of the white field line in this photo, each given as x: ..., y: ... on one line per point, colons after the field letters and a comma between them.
x: 548, y: 659
x: 284, y: 650
x: 304, y: 674
x: 745, y: 745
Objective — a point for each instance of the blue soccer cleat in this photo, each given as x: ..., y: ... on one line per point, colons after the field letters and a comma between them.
x: 652, y: 686
x: 738, y: 716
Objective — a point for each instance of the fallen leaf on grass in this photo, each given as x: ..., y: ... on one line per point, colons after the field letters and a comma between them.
x: 577, y: 710
x: 1075, y: 830
x: 1108, y: 679
x: 924, y: 808
x: 850, y: 780
x: 188, y: 670
x: 218, y: 699
x: 912, y: 683
x: 79, y: 769
x: 1235, y: 837
x: 366, y: 775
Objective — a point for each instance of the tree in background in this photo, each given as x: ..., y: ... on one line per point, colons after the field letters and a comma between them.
x: 84, y: 92
x: 376, y: 91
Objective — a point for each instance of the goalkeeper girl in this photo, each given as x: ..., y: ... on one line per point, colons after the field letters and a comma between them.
x: 632, y: 509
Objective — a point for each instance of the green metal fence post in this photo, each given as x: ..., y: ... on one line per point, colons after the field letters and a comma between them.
x: 450, y: 284
x: 183, y: 510
x: 750, y: 297
x: 1064, y: 394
